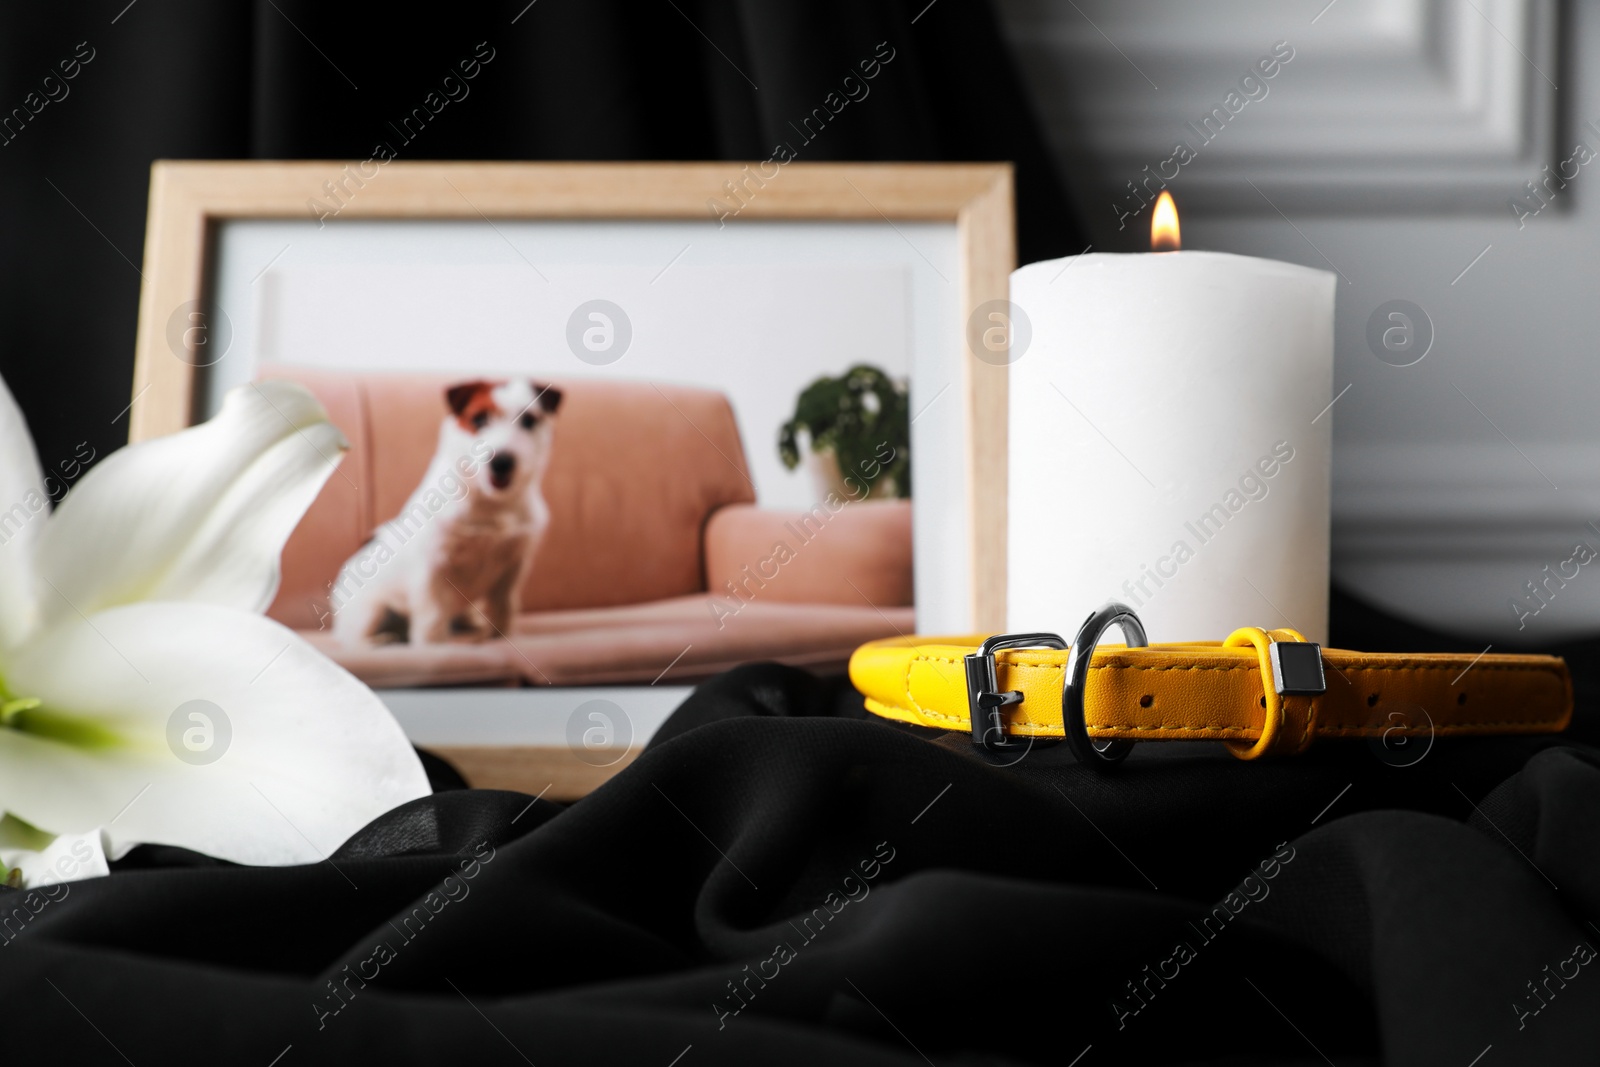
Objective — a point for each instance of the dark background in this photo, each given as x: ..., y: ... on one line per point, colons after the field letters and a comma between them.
x: 570, y: 79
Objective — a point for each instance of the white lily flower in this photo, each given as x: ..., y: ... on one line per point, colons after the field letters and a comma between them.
x: 144, y: 699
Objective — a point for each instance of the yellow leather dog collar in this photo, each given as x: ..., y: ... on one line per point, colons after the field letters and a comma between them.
x: 1264, y: 692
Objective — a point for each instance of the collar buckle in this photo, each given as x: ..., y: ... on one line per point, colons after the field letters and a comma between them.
x: 984, y: 696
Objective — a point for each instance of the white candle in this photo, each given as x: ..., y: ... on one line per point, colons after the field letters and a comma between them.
x: 1170, y: 443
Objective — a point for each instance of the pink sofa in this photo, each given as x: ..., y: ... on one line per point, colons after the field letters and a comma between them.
x: 658, y: 564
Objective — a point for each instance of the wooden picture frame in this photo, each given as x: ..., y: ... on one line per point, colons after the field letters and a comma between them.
x: 190, y: 200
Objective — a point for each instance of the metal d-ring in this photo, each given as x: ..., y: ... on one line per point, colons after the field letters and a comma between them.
x: 1073, y: 723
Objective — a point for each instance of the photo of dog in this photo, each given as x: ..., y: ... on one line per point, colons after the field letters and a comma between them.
x: 658, y: 515
x: 462, y: 556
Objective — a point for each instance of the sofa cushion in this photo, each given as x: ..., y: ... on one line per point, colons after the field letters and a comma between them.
x: 674, y: 640
x: 853, y: 553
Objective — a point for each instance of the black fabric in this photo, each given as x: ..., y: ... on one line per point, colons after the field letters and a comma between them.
x: 568, y: 79
x: 935, y: 908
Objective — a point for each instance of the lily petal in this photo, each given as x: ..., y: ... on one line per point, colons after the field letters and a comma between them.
x: 201, y: 515
x: 301, y: 754
x: 24, y: 508
x: 66, y: 858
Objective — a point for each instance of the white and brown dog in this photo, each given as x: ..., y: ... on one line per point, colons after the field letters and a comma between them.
x: 450, y: 566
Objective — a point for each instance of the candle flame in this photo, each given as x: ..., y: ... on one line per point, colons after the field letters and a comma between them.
x: 1164, y: 225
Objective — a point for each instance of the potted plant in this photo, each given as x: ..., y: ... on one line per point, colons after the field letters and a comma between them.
x: 859, y: 429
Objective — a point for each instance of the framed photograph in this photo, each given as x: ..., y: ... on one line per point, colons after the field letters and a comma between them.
x: 613, y: 427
